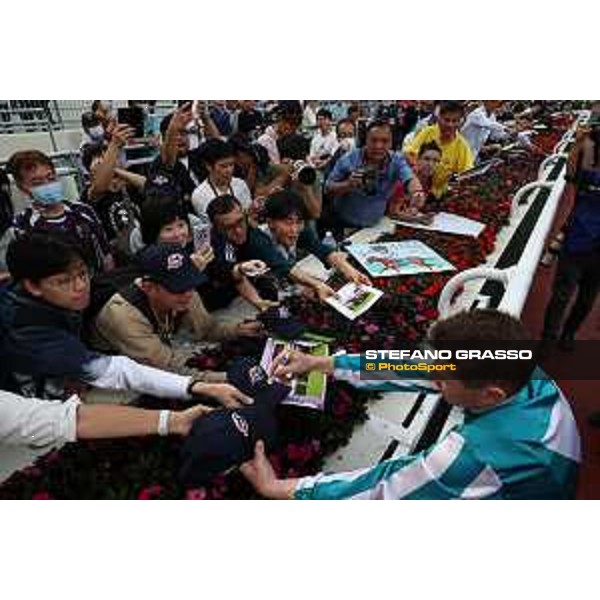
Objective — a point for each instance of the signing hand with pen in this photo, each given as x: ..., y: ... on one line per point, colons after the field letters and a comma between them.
x: 292, y: 362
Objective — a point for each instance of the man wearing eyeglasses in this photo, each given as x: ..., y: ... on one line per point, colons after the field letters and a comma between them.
x: 41, y: 352
x: 279, y: 244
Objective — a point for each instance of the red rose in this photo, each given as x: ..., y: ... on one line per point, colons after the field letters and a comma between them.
x: 198, y: 494
x: 151, y: 492
x: 41, y: 496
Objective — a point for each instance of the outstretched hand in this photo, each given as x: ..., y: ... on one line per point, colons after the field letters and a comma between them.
x: 227, y: 395
x: 260, y: 473
x: 181, y: 422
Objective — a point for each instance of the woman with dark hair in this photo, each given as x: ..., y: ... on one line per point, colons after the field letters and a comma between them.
x: 165, y: 219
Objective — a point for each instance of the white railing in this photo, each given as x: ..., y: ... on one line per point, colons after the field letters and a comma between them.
x: 517, y: 279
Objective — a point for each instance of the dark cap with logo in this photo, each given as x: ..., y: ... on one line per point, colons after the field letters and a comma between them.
x: 225, y: 439
x: 170, y: 266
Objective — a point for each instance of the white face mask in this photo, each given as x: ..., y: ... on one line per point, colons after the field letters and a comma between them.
x: 96, y: 133
x: 347, y: 144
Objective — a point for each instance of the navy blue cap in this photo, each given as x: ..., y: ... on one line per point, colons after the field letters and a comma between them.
x: 249, y: 377
x: 225, y: 439
x: 279, y: 322
x: 170, y: 266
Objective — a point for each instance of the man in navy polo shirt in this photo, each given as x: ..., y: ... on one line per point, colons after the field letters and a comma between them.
x: 362, y: 181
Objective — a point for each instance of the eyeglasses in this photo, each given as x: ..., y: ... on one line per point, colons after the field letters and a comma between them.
x: 241, y: 222
x: 68, y: 282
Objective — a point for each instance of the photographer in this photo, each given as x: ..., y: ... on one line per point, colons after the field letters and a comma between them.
x: 302, y: 175
x: 363, y: 180
x: 166, y: 220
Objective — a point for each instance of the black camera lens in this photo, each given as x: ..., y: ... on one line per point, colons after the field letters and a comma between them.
x: 307, y: 175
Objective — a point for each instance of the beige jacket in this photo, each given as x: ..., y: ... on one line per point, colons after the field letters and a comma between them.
x: 121, y: 328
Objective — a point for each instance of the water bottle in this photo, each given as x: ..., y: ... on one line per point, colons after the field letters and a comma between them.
x: 329, y: 241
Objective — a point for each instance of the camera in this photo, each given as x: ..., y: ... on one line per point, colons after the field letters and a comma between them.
x: 369, y: 180
x: 305, y: 172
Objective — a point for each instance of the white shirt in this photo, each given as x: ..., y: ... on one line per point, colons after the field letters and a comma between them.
x: 323, y: 144
x: 37, y: 423
x: 268, y: 140
x: 206, y: 192
x: 309, y: 118
x: 479, y: 127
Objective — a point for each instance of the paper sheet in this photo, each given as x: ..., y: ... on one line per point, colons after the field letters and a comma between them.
x: 449, y: 223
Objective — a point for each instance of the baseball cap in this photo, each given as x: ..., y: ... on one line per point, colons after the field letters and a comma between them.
x: 225, y: 439
x: 248, y: 376
x: 279, y: 322
x: 170, y: 266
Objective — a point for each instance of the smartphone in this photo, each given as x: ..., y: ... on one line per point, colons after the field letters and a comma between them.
x: 134, y: 117
x: 201, y: 235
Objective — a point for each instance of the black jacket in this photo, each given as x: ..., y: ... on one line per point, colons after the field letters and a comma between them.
x: 40, y: 348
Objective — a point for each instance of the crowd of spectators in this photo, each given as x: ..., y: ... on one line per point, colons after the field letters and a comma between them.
x: 95, y: 292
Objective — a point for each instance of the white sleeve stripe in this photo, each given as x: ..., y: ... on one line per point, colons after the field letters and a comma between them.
x: 484, y: 485
x: 561, y: 435
x: 426, y: 469
x: 401, y: 483
x: 353, y: 377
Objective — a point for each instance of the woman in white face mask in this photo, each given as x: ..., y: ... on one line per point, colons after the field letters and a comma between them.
x: 93, y: 130
x: 346, y: 135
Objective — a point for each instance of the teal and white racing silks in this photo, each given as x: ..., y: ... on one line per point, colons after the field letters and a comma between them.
x: 526, y: 448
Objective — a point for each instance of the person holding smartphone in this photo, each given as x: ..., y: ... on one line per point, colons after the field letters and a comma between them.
x: 166, y: 220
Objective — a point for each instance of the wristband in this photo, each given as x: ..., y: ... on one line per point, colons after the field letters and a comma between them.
x: 191, y: 384
x: 163, y: 423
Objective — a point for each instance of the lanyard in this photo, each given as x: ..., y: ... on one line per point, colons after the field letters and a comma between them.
x: 216, y: 192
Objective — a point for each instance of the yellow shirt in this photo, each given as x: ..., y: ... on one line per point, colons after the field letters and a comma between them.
x: 456, y: 156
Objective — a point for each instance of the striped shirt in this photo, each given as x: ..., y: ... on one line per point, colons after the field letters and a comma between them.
x: 525, y: 448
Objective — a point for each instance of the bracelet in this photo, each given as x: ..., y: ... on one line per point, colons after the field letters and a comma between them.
x: 163, y: 423
x: 191, y: 384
